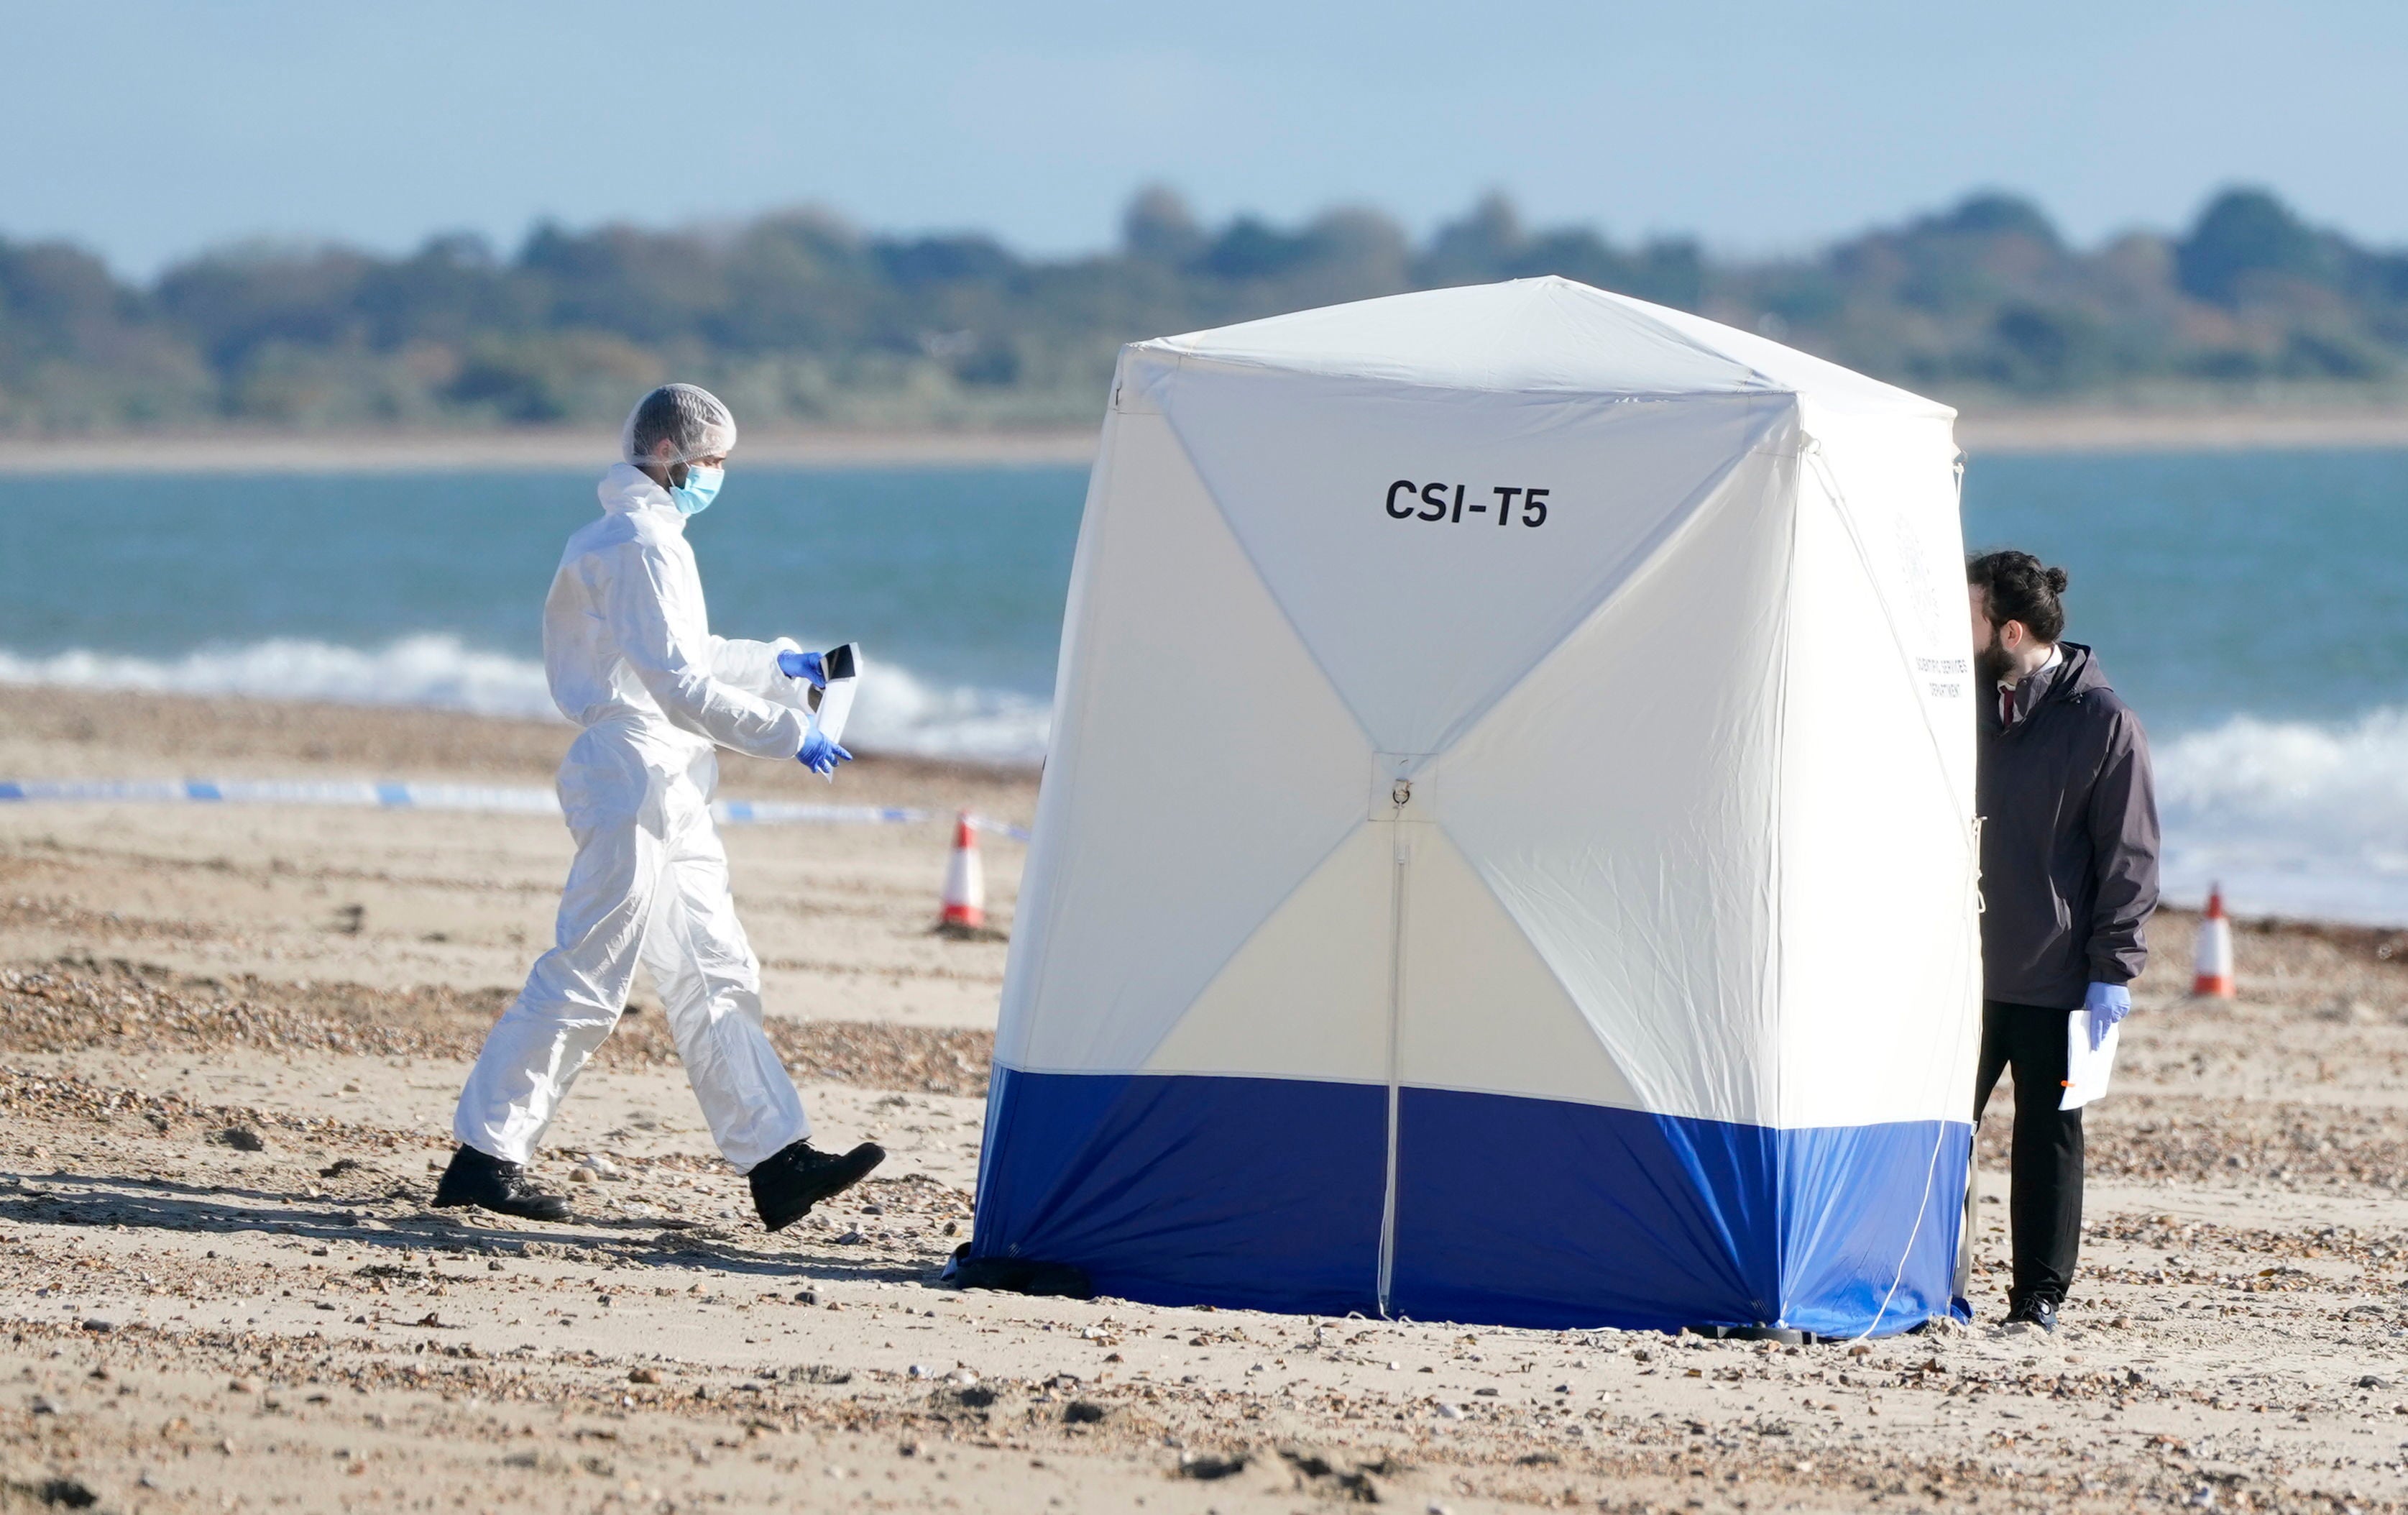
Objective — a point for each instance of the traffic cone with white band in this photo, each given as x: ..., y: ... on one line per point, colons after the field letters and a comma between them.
x: 2212, y: 978
x: 964, y: 880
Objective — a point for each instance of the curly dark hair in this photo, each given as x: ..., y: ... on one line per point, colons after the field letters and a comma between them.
x: 2021, y: 589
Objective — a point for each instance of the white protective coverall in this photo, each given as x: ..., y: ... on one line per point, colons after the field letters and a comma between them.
x: 629, y: 651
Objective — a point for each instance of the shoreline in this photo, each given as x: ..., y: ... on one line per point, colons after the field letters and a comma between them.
x: 2108, y: 429
x: 96, y: 734
x: 2038, y: 430
x: 62, y: 733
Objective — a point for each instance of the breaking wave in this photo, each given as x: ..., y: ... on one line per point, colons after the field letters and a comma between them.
x: 2292, y: 817
x: 898, y: 711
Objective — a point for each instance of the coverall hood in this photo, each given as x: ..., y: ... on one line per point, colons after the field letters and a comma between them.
x: 626, y: 487
x: 627, y: 639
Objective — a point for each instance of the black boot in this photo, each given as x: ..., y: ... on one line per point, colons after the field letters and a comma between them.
x: 785, y: 1186
x: 491, y: 1184
x: 2033, y: 1310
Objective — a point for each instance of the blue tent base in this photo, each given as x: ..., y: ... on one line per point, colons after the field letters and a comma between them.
x: 1260, y: 1193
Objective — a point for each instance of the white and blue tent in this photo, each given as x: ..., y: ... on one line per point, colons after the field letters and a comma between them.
x: 1507, y: 850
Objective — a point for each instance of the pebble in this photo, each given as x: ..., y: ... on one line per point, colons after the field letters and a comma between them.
x: 1984, y: 1364
x: 86, y: 1005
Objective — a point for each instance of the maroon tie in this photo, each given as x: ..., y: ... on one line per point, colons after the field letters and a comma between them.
x: 2006, y: 708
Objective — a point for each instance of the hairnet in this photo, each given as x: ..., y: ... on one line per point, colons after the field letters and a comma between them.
x: 689, y: 417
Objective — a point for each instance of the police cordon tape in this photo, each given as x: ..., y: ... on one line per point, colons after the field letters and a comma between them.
x: 487, y: 799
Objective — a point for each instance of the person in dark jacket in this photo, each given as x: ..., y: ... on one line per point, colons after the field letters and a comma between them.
x: 2068, y: 881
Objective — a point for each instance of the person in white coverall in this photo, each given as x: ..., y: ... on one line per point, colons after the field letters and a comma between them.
x: 629, y: 653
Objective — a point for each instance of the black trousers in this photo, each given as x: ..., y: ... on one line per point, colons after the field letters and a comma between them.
x: 2045, y: 1164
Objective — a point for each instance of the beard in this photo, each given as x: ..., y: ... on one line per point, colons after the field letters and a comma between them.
x: 1993, y: 661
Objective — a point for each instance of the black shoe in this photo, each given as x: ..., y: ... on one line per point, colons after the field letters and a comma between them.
x: 2034, y: 1312
x: 491, y: 1184
x: 787, y: 1186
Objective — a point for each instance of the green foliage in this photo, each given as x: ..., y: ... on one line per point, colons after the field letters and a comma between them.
x: 2039, y: 351
x: 2245, y: 240
x: 801, y: 317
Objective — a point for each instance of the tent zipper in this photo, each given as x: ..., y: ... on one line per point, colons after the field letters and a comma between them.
x: 1395, y: 1014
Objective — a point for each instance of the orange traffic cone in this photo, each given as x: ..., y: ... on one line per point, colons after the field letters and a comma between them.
x: 965, y: 881
x: 2212, y: 978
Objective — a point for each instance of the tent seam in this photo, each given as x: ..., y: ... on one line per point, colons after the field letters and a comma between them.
x: 1838, y: 498
x: 1646, y: 310
x: 1697, y: 503
x: 1287, y: 616
x: 1091, y: 518
x: 1613, y: 396
x: 1489, y: 887
x: 1647, y: 557
x: 1311, y: 874
x: 1107, y: 460
x: 1780, y: 881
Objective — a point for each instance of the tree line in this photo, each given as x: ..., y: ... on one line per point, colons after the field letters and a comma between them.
x: 801, y: 317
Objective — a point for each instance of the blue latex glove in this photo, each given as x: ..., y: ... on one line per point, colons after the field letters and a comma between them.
x: 820, y: 755
x: 2107, y: 1004
x: 803, y: 666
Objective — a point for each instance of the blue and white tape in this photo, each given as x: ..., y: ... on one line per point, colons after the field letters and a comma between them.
x: 481, y: 798
x: 357, y: 793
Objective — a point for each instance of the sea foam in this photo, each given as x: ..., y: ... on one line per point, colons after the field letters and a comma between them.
x: 898, y: 711
x: 2292, y: 817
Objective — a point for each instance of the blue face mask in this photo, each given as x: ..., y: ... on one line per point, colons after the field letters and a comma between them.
x: 700, y: 489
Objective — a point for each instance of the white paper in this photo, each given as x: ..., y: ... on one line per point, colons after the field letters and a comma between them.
x: 836, y: 704
x: 2086, y: 1071
x: 836, y: 701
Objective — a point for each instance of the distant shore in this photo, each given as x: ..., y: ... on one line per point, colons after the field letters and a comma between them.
x: 418, y: 451
x: 2107, y: 429
x: 2053, y: 429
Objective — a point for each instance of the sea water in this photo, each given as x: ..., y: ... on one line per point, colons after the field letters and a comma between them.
x: 2253, y: 607
x: 427, y: 589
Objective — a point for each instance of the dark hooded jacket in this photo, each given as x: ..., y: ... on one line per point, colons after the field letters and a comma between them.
x: 2069, y: 838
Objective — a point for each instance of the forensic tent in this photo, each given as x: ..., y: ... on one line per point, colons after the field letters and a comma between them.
x: 1506, y: 853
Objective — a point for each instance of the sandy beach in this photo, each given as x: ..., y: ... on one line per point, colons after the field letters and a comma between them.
x: 230, y: 1037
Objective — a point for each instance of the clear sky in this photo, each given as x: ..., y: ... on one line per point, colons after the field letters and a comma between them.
x: 149, y: 130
